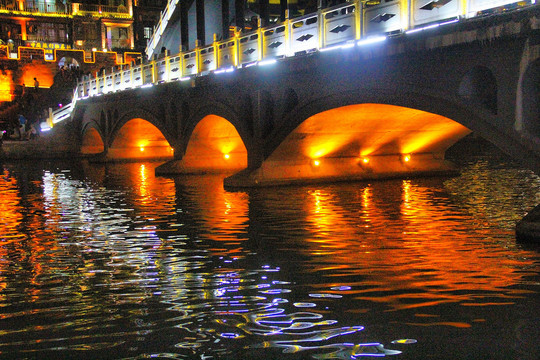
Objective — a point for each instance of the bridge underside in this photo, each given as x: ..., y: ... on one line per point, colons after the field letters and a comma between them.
x: 137, y: 139
x: 357, y: 142
x: 214, y: 146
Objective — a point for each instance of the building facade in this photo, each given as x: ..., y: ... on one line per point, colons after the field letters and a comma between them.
x: 57, y: 24
x: 146, y: 15
x: 39, y: 37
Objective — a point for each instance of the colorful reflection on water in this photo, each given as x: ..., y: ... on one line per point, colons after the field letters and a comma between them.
x: 109, y: 261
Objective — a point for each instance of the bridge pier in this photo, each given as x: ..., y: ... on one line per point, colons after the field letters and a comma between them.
x: 528, y: 228
x: 300, y: 171
x: 202, y: 165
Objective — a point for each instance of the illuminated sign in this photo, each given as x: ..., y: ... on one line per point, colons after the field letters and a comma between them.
x: 47, y: 46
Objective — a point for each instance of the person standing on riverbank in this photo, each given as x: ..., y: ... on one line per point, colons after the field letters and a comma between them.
x: 22, y: 124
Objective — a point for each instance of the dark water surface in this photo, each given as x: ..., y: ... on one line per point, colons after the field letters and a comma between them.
x: 110, y: 262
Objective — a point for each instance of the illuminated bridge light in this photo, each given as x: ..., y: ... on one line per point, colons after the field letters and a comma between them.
x: 316, y: 162
x: 412, y: 31
x: 407, y: 158
x: 267, y: 62
x: 365, y: 160
x: 337, y: 47
x: 371, y: 40
x: 226, y: 156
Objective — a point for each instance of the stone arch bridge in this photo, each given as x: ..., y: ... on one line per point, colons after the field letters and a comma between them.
x: 389, y: 109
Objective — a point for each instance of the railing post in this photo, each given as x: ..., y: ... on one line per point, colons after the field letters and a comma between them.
x: 288, y: 41
x: 50, y: 118
x: 216, y: 51
x: 237, y: 31
x: 197, y: 57
x: 358, y: 18
x: 321, y: 28
x: 260, y: 39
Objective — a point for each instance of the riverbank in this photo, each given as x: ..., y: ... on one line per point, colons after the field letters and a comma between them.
x: 57, y: 143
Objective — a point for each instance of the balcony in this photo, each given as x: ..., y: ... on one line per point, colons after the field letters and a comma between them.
x: 105, y: 11
x: 33, y: 7
x: 50, y: 38
x: 28, y: 7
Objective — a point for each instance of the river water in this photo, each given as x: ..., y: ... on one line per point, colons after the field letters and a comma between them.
x: 110, y: 262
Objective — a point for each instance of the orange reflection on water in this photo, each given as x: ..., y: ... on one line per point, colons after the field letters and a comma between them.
x: 428, y: 256
x: 224, y: 213
x: 326, y: 224
x: 143, y: 187
x: 155, y: 195
x: 9, y: 207
x: 25, y: 237
x: 11, y: 219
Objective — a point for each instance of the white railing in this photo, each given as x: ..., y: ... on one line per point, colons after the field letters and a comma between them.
x: 58, y: 115
x: 345, y: 26
x: 62, y: 113
x: 162, y: 24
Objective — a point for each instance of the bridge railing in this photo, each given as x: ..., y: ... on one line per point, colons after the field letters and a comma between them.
x: 162, y: 24
x: 58, y: 115
x: 347, y: 25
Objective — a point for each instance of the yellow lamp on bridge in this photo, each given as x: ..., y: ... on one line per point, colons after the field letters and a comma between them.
x: 142, y: 145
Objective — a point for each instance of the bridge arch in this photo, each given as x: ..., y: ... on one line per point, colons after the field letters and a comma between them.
x: 430, y: 103
x: 360, y: 135
x: 92, y: 140
x: 215, y: 141
x: 530, y: 88
x: 196, y: 114
x: 138, y: 134
x: 370, y: 129
x: 480, y: 87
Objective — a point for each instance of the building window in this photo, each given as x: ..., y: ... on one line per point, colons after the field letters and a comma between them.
x: 147, y: 32
x: 40, y: 31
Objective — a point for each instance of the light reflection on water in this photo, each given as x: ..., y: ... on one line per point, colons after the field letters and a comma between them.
x: 111, y: 262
